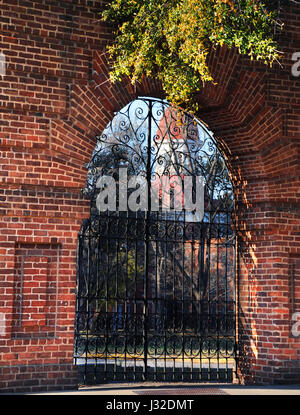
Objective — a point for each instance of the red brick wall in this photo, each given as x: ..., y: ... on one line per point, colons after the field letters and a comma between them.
x: 254, y: 111
x: 54, y: 99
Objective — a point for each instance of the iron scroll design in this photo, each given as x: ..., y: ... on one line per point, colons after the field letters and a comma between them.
x: 150, y: 138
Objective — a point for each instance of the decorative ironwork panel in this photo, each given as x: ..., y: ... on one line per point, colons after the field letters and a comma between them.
x: 155, y: 289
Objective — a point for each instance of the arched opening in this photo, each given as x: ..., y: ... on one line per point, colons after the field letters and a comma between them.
x: 156, y: 259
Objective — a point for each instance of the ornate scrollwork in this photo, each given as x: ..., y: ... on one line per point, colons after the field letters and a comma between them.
x: 192, y: 346
x: 156, y: 346
x: 174, y: 346
x: 150, y: 137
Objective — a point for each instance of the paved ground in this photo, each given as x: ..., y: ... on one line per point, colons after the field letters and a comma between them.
x: 180, y: 389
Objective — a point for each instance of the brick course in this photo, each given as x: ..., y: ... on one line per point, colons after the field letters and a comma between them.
x: 54, y: 99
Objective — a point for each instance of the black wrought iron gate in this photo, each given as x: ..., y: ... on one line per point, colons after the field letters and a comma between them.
x: 156, y: 289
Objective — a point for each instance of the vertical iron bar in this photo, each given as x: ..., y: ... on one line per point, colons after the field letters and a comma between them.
x: 97, y: 300
x: 145, y: 311
x: 226, y: 293
x: 192, y: 297
x: 116, y: 299
x: 87, y: 303
x: 208, y: 294
x: 165, y: 300
x: 183, y: 302
x: 126, y: 302
x: 173, y: 303
x: 217, y: 300
x: 135, y: 295
x: 157, y: 289
x: 237, y: 302
x: 106, y: 302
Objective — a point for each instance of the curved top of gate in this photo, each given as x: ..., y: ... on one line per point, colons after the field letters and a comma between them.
x: 151, y: 138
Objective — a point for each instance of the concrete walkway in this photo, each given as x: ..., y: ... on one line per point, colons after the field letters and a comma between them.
x: 179, y: 389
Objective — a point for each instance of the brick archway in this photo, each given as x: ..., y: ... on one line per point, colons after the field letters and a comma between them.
x: 55, y: 98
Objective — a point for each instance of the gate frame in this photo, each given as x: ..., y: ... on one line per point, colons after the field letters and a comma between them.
x: 236, y: 247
